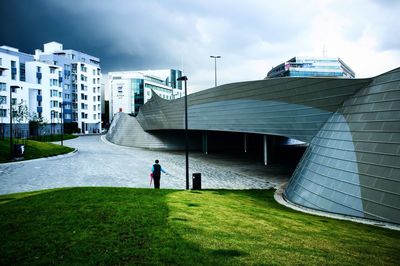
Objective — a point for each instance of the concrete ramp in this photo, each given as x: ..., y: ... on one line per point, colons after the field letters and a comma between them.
x: 125, y: 130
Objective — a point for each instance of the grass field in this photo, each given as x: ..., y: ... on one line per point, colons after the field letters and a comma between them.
x: 113, y: 226
x: 33, y: 150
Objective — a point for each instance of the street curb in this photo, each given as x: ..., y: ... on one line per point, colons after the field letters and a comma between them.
x: 280, y: 198
x: 56, y: 157
x: 106, y: 141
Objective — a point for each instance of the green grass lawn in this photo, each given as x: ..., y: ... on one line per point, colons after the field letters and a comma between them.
x: 33, y: 150
x: 113, y: 226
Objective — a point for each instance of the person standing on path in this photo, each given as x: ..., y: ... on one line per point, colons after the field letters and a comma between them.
x: 156, y: 171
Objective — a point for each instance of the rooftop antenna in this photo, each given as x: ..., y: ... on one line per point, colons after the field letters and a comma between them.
x: 182, y: 63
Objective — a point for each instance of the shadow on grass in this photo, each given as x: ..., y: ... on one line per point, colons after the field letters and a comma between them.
x: 114, y: 226
x: 97, y: 226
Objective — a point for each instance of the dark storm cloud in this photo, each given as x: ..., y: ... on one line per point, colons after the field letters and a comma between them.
x: 30, y: 24
x: 142, y: 33
x: 250, y: 35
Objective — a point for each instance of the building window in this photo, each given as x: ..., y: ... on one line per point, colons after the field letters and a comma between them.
x: 13, y: 70
x: 3, y: 112
x: 13, y: 101
x: 94, y: 107
x: 22, y: 72
x: 98, y: 98
x: 54, y: 93
x: 53, y: 82
x: 3, y: 100
x: 52, y: 70
x: 94, y: 116
x: 3, y: 86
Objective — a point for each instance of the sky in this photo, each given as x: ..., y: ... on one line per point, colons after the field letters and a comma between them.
x: 251, y: 36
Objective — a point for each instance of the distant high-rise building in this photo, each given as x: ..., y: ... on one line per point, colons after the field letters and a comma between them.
x: 312, y: 67
x: 131, y: 89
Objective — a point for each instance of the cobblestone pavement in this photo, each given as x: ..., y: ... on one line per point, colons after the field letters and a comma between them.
x: 99, y: 163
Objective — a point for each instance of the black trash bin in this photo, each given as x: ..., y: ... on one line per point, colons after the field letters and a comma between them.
x: 19, y: 150
x: 196, y: 181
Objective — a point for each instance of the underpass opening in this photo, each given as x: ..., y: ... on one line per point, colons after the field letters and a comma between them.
x: 282, y: 153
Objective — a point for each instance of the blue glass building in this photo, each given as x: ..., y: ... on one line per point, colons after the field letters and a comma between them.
x: 312, y: 67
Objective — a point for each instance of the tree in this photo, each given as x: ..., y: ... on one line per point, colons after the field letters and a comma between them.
x: 37, y: 124
x: 20, y: 115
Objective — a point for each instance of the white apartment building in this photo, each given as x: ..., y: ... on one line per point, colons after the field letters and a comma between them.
x: 81, y: 85
x: 56, y: 85
x: 14, y: 90
x: 131, y: 89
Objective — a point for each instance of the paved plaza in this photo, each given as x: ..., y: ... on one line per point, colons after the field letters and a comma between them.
x: 100, y: 163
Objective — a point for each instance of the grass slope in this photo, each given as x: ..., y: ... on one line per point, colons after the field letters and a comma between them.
x: 33, y: 150
x: 214, y: 227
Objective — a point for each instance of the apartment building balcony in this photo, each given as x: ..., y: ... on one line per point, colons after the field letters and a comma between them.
x: 39, y: 98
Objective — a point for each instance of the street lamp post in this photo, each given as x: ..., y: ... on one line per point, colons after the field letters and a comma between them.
x: 62, y: 124
x: 186, y: 132
x: 11, y: 123
x: 51, y: 124
x: 215, y: 67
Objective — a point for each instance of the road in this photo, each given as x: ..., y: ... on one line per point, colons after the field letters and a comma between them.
x: 100, y: 163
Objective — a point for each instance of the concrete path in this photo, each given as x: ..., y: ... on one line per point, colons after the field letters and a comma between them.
x: 100, y: 163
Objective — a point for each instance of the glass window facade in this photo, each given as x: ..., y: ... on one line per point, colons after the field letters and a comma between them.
x: 22, y: 72
x: 312, y: 67
x: 137, y: 86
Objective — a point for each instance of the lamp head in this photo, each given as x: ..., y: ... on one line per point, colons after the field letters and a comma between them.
x: 182, y: 78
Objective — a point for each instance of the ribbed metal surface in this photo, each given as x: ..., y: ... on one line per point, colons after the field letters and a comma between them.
x: 292, y: 107
x: 352, y: 165
x: 126, y: 131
